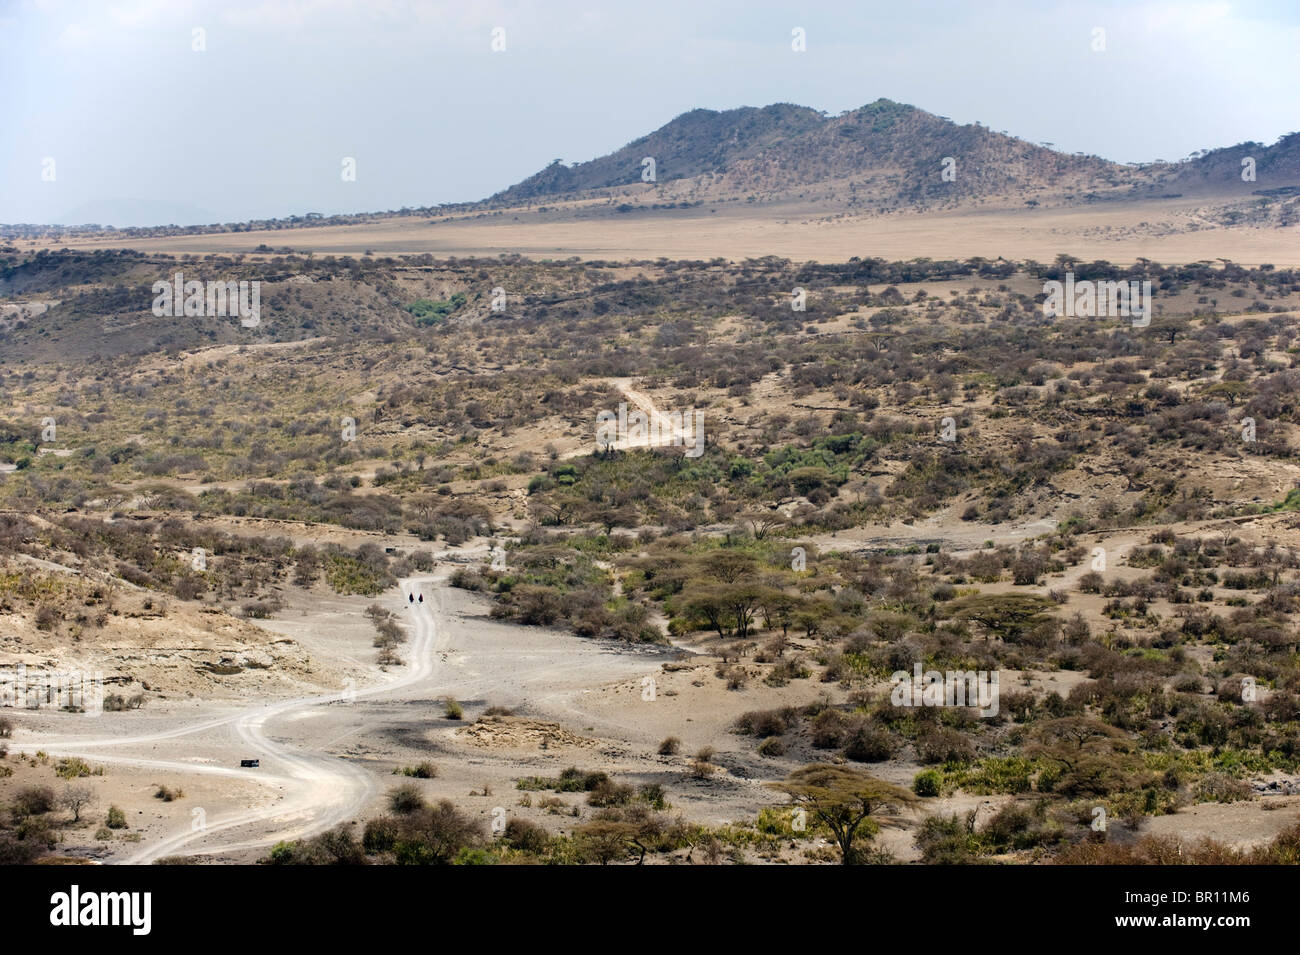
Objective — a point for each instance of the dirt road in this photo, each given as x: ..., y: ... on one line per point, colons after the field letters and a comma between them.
x: 318, y: 791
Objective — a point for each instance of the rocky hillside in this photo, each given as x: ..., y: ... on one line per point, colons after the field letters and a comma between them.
x: 884, y: 155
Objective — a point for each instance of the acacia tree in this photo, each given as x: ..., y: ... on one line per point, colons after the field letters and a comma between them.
x: 705, y: 603
x: 75, y: 799
x: 729, y: 566
x: 612, y: 517
x: 617, y: 833
x: 720, y: 604
x: 843, y: 799
x: 761, y: 523
x: 607, y: 840
x: 1085, y: 749
x: 1008, y: 617
x: 777, y: 608
x: 743, y: 601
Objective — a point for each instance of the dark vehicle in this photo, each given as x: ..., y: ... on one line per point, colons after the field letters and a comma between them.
x: 249, y: 763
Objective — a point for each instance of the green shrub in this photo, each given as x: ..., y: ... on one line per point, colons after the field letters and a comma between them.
x: 652, y: 794
x: 1000, y: 775
x: 348, y: 575
x: 405, y: 799
x: 766, y: 722
x: 380, y: 834
x: 869, y: 744
x: 424, y: 770
x: 928, y: 782
x: 338, y: 846
x: 429, y: 311
x: 34, y: 800
x: 948, y: 840
x: 609, y: 793
x: 526, y: 836
x: 944, y: 745
x: 72, y: 768
x: 15, y: 851
x: 571, y: 780
x: 470, y: 855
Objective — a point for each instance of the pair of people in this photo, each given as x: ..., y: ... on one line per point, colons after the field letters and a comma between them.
x: 410, y: 598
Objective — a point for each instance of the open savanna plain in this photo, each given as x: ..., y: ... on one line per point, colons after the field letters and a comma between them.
x: 373, y: 543
x: 657, y: 222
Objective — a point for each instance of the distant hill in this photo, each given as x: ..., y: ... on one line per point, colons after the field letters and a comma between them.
x: 881, y: 156
x: 1275, y: 167
x: 695, y: 143
x: 884, y: 157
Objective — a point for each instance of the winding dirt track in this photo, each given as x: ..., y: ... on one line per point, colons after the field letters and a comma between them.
x: 320, y: 791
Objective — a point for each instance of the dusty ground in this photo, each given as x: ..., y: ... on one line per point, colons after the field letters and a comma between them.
x: 329, y: 755
x: 1166, y: 231
x: 331, y: 727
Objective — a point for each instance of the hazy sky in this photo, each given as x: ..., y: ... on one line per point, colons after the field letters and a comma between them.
x: 257, y: 124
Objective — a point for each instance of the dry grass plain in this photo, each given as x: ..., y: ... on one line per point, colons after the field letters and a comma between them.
x: 1166, y: 230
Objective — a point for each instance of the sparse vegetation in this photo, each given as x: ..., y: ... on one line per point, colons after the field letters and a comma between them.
x: 1144, y: 636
